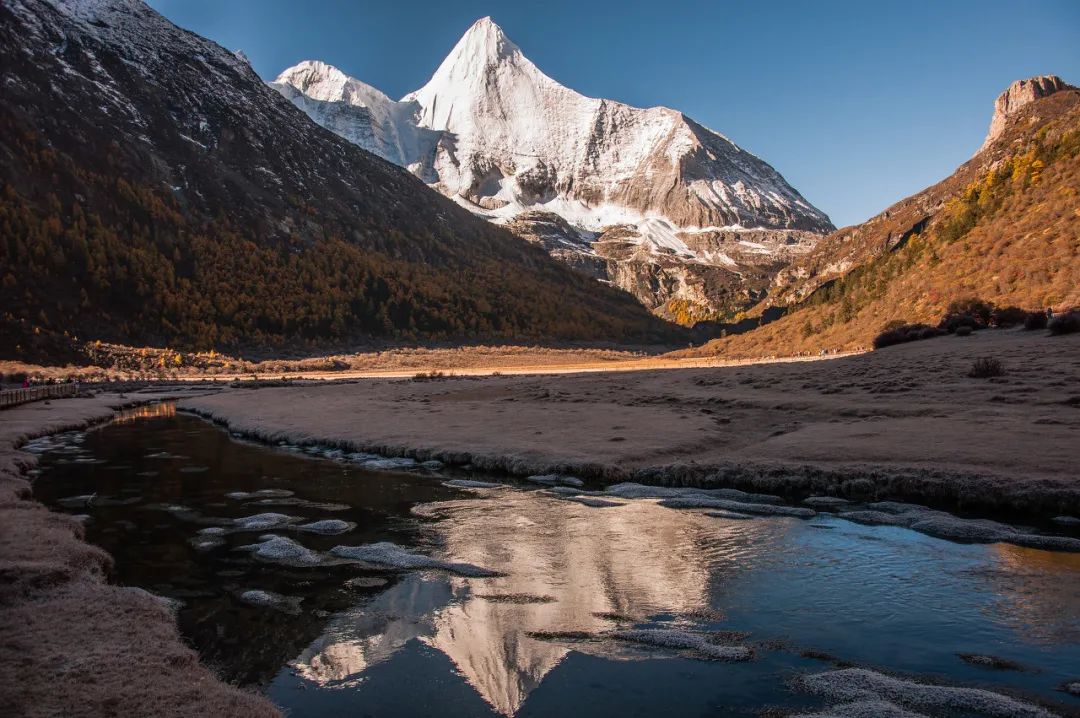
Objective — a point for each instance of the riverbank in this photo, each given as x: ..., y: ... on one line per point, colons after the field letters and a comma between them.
x: 903, y: 423
x: 73, y: 645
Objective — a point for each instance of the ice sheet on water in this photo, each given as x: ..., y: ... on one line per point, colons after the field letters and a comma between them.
x: 728, y: 515
x: 696, y: 643
x: 947, y: 526
x: 278, y: 549
x: 709, y: 502
x: 594, y: 502
x: 260, y: 494
x: 269, y: 599
x: 556, y: 480
x: 391, y: 555
x: 264, y: 522
x: 327, y: 527
x: 825, y: 502
x: 860, y: 684
x: 471, y: 484
x: 388, y: 464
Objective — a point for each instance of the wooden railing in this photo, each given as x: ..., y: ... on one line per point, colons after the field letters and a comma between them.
x: 14, y: 397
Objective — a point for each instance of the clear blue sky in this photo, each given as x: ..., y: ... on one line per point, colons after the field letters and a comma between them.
x: 859, y: 103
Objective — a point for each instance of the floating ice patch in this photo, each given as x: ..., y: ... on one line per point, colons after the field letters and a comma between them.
x: 269, y: 599
x: 944, y: 525
x: 1066, y: 520
x: 366, y: 582
x: 327, y: 527
x: 594, y: 502
x: 825, y: 502
x: 260, y: 494
x: 165, y: 455
x: 301, y: 503
x: 859, y: 684
x: 727, y: 515
x: 708, y: 502
x: 389, y: 554
x: 278, y: 549
x: 641, y: 491
x: 264, y: 522
x: 194, y: 469
x: 76, y: 502
x: 518, y: 598
x: 684, y: 641
x: 471, y: 484
x: 391, y: 464
x: 872, y: 518
x: 555, y: 480
x: 564, y: 490
x: 1072, y: 688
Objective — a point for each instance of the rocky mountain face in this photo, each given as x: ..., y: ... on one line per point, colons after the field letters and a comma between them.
x: 154, y: 189
x: 1020, y: 94
x: 646, y: 199
x: 1002, y: 228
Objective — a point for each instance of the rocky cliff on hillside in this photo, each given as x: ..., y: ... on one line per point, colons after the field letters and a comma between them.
x: 1002, y: 228
x: 1020, y: 94
x: 1018, y: 112
x: 501, y: 138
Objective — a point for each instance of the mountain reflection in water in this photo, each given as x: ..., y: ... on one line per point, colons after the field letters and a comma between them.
x: 537, y: 639
x: 569, y: 568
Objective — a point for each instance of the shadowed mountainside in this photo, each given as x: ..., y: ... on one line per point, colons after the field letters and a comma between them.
x: 154, y: 190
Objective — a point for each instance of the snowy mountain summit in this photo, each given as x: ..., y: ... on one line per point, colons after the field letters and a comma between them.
x: 496, y: 134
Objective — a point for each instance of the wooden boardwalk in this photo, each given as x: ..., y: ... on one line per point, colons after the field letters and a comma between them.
x: 14, y: 397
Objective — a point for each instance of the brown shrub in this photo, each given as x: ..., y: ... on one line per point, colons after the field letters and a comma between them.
x: 1066, y: 323
x: 986, y: 368
x: 899, y: 334
x: 1035, y: 320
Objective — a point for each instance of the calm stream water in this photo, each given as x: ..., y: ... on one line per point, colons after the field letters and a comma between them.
x: 538, y: 639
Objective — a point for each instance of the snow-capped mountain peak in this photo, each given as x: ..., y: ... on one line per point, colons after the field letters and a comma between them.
x: 496, y: 134
x: 324, y: 82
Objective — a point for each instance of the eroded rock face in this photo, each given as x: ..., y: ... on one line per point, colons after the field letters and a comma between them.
x: 1020, y: 94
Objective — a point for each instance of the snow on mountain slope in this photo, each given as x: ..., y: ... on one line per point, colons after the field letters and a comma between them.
x: 361, y: 114
x: 500, y: 137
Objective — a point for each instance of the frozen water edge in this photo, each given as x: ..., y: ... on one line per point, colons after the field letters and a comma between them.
x: 278, y: 549
x: 859, y: 684
x: 391, y: 555
x: 684, y: 640
x: 269, y: 599
x: 947, y: 526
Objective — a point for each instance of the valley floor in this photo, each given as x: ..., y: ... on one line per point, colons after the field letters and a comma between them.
x: 905, y: 422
